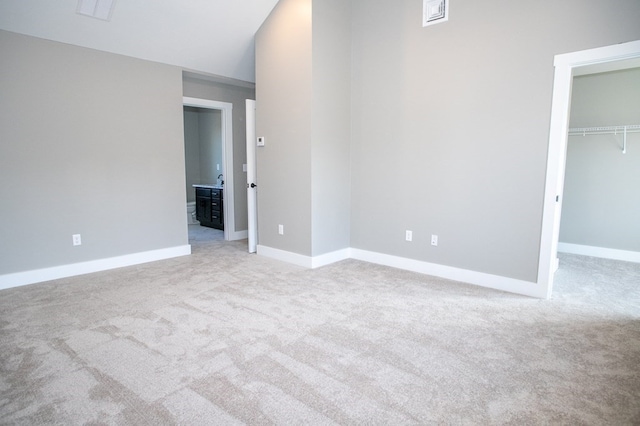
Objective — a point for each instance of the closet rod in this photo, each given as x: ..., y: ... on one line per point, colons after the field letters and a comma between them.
x: 574, y: 131
x: 607, y: 130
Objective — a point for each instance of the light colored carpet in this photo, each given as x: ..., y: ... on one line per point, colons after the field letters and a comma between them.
x: 224, y: 337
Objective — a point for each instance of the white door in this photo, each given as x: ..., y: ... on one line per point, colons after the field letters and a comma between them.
x: 251, y: 176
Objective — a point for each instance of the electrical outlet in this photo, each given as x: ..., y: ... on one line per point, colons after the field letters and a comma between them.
x: 281, y: 229
x: 434, y: 240
x: 77, y: 239
x: 408, y: 236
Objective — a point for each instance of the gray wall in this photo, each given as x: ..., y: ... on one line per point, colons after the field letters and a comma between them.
x: 331, y: 126
x: 203, y: 147
x: 601, y: 203
x: 283, y: 117
x: 211, y: 161
x: 92, y: 144
x: 204, y: 88
x: 191, y: 151
x: 449, y: 123
x: 304, y: 169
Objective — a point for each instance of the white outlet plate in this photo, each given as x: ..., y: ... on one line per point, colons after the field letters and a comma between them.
x: 408, y: 235
x: 434, y: 240
x: 281, y: 229
x: 77, y: 239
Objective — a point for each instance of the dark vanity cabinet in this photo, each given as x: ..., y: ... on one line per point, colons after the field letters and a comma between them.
x: 209, y: 211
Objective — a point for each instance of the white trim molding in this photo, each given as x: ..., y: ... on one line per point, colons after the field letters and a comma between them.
x: 284, y: 256
x: 238, y: 235
x: 18, y: 279
x: 495, y: 282
x: 603, y: 252
x: 302, y: 260
x: 566, y: 66
x: 466, y: 276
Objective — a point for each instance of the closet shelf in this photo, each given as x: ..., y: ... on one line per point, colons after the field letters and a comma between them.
x: 607, y: 130
x: 581, y: 131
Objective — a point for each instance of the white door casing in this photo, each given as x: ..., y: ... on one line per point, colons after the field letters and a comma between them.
x: 566, y: 66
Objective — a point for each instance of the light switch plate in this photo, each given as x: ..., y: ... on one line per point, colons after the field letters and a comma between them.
x: 260, y: 140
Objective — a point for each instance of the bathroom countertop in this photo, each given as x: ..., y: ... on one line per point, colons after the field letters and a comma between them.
x: 204, y: 185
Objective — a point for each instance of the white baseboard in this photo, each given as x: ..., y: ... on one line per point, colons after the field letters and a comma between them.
x: 496, y: 282
x: 285, y: 256
x: 603, y: 252
x: 238, y: 235
x: 302, y: 260
x: 329, y: 258
x: 63, y: 271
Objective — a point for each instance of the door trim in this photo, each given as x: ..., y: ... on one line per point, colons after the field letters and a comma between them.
x: 566, y: 66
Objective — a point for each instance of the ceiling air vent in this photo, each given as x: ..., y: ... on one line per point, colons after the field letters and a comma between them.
x: 100, y: 9
x: 434, y: 11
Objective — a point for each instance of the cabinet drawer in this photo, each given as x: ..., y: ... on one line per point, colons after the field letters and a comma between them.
x: 203, y: 192
x: 216, y: 193
x: 216, y: 218
x: 216, y: 205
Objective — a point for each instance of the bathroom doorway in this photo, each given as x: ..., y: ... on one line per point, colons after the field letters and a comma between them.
x: 208, y: 155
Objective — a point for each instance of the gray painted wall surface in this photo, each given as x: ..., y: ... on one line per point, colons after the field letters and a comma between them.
x: 283, y: 117
x: 191, y: 152
x: 449, y: 123
x: 331, y: 126
x: 203, y: 147
x: 205, y: 89
x: 92, y: 144
x: 304, y: 169
x: 211, y: 162
x: 601, y: 203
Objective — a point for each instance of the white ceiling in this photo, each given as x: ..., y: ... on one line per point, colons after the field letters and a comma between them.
x: 209, y: 36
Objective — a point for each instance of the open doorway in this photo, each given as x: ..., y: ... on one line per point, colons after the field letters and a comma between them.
x: 624, y: 55
x: 209, y: 167
x: 601, y: 206
x: 204, y: 168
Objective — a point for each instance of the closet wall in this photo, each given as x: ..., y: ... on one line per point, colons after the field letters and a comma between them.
x: 601, y: 203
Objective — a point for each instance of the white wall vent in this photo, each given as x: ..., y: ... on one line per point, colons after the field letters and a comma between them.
x: 100, y: 9
x: 434, y: 12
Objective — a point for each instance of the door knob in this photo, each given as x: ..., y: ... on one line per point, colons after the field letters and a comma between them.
x: 253, y: 185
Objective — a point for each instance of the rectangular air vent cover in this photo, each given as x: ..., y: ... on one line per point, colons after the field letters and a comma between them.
x: 434, y: 11
x: 101, y: 9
